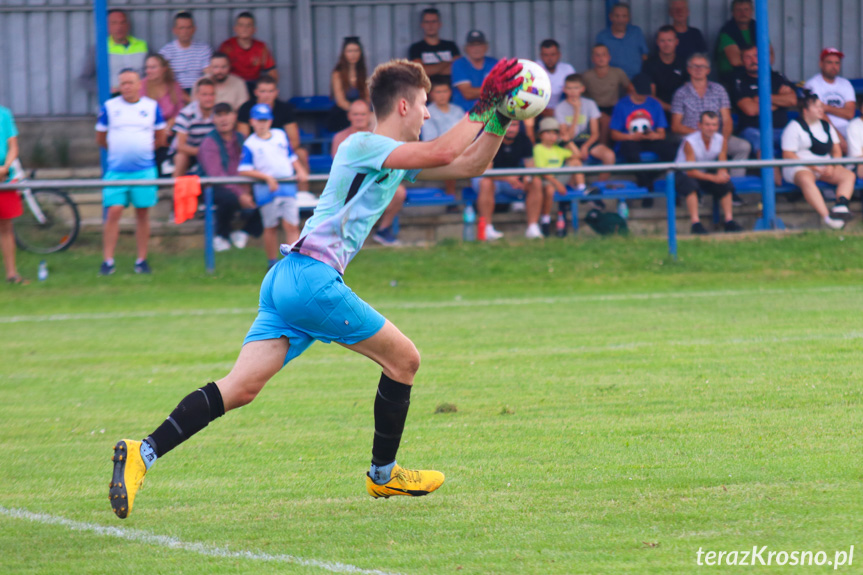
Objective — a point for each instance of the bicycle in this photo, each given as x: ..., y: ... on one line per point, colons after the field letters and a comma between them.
x: 50, y: 222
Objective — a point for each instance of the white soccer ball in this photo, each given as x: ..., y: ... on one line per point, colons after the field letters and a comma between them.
x: 531, y: 98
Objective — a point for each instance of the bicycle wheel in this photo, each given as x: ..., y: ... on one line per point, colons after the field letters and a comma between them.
x: 50, y: 222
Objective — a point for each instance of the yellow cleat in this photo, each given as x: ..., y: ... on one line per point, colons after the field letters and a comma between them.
x: 129, y: 470
x: 406, y: 482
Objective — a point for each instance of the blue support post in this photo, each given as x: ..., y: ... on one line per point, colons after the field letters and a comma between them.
x: 103, y: 71
x: 672, y: 214
x: 209, y: 231
x: 768, y: 220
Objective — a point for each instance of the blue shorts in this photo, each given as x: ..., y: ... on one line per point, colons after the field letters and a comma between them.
x: 138, y: 196
x: 305, y: 300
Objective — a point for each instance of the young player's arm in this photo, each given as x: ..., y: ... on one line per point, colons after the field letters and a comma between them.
x: 469, y: 164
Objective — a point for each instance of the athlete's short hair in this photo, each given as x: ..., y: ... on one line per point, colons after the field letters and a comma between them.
x: 394, y: 80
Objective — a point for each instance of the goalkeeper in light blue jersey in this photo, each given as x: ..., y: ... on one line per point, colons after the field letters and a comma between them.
x: 304, y: 297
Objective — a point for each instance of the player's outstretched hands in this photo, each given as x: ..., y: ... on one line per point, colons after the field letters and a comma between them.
x: 497, y: 85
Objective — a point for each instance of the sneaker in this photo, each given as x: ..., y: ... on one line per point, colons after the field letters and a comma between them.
x: 142, y: 267
x: 533, y: 232
x: 239, y: 239
x: 385, y: 237
x: 221, y: 244
x: 545, y: 229
x: 732, y: 226
x: 840, y: 211
x: 404, y: 482
x: 128, y: 476
x: 736, y: 200
x: 492, y: 234
x: 107, y: 269
x: 834, y: 224
x: 698, y: 229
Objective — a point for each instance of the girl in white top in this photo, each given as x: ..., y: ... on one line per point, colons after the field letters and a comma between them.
x: 809, y: 137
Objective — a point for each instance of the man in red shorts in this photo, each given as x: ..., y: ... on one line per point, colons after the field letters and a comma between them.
x: 10, y: 203
x: 250, y: 58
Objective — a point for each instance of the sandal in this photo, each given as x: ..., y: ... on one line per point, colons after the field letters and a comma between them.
x: 17, y: 280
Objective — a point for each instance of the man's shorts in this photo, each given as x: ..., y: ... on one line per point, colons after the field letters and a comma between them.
x: 10, y: 205
x: 281, y: 208
x: 138, y: 196
x: 305, y: 300
x: 500, y: 187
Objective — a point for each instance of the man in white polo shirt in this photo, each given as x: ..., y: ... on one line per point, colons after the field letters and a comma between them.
x: 837, y: 93
x: 131, y: 127
x: 549, y: 55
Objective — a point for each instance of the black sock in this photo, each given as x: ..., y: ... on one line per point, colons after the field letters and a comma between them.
x: 391, y: 410
x: 192, y: 415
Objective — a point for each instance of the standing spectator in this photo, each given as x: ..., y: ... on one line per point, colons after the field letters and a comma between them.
x: 230, y: 89
x: 700, y: 95
x: 435, y: 55
x: 361, y: 118
x: 690, y: 40
x: 515, y: 152
x: 443, y: 115
x: 639, y: 124
x: 604, y: 84
x: 745, y: 96
x: 705, y: 145
x: 131, y: 127
x: 10, y: 202
x: 267, y: 156
x: 809, y: 137
x: 549, y: 56
x: 188, y: 58
x: 667, y: 70
x: 734, y: 36
x: 548, y: 153
x: 284, y: 117
x: 348, y: 83
x: 469, y: 72
x: 159, y: 84
x: 192, y: 126
x: 835, y: 92
x: 625, y: 42
x: 124, y: 51
x: 250, y: 58
x: 219, y: 155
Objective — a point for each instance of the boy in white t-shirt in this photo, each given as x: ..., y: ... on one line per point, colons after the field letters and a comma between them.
x: 267, y: 156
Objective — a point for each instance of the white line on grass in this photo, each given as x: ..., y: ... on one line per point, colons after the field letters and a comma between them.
x: 435, y: 304
x: 172, y: 543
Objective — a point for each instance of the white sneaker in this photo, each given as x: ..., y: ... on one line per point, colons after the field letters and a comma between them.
x: 533, y: 232
x: 239, y: 239
x: 834, y: 224
x: 492, y: 234
x: 220, y: 244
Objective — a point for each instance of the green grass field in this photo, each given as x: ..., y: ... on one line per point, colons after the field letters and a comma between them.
x: 616, y: 412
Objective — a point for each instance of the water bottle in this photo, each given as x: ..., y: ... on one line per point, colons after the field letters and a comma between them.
x: 622, y: 209
x: 560, y: 224
x: 469, y: 231
x: 42, y: 274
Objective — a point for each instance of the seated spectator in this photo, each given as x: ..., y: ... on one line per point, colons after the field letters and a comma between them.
x: 250, y: 58
x: 219, y: 156
x: 834, y: 91
x: 700, y: 95
x: 855, y: 142
x: 193, y: 124
x: 745, y: 96
x: 579, y: 123
x: 515, y: 152
x: 10, y: 202
x: 442, y: 116
x: 469, y: 72
x: 604, y: 85
x: 548, y: 153
x: 267, y: 156
x: 549, y: 59
x: 435, y: 55
x: 124, y: 51
x: 625, y: 42
x: 705, y: 145
x: 188, y: 58
x: 690, y: 40
x: 159, y: 84
x: 230, y: 89
x: 638, y: 125
x: 667, y: 70
x: 348, y: 83
x: 361, y: 119
x: 284, y: 118
x: 735, y: 35
x: 809, y: 137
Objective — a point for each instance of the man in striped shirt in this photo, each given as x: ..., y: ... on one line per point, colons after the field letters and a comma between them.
x: 188, y: 58
x: 192, y: 125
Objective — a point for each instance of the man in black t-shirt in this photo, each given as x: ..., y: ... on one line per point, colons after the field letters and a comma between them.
x: 666, y: 69
x: 435, y: 55
x: 284, y: 117
x: 515, y: 151
x: 744, y: 95
x: 690, y: 40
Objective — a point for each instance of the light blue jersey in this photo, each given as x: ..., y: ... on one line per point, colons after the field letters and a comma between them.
x: 357, y: 193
